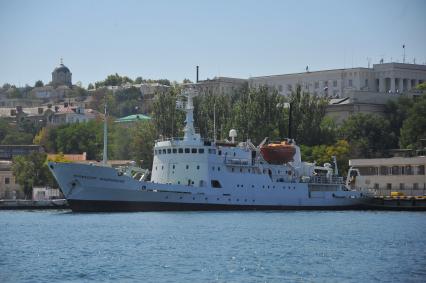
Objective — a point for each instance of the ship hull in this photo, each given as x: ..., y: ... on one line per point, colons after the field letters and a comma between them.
x: 135, y: 206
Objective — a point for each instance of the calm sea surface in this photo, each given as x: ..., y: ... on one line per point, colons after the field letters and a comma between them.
x: 59, y: 246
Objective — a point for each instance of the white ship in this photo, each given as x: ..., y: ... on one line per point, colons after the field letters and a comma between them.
x: 192, y: 173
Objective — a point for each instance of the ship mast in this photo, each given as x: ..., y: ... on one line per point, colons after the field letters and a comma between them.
x: 105, y: 153
x: 189, y: 130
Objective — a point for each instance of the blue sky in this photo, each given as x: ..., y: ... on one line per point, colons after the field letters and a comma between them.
x: 167, y: 39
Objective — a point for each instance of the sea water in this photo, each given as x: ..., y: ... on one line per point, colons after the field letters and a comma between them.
x: 311, y: 246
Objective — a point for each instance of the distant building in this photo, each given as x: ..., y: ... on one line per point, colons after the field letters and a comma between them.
x: 61, y: 76
x: 50, y: 114
x: 7, y: 152
x: 46, y: 193
x: 59, y: 87
x: 382, y: 78
x: 9, y: 189
x: 68, y: 157
x: 220, y: 85
x: 386, y: 175
x: 132, y: 118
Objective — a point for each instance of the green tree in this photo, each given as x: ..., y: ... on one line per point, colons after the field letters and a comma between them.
x: 39, y: 83
x: 168, y: 120
x: 368, y: 135
x: 138, y: 80
x: 308, y: 112
x: 90, y: 86
x: 141, y: 146
x: 30, y: 171
x: 414, y: 127
x: 421, y: 86
x: 396, y: 112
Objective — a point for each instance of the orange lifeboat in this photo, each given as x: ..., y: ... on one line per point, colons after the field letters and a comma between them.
x: 278, y: 152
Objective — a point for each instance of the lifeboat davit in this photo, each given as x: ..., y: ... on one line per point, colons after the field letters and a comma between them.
x: 278, y: 152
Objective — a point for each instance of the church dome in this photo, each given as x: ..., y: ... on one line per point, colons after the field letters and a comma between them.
x: 61, y: 75
x: 62, y: 68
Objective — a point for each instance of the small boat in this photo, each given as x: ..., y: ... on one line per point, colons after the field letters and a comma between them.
x: 278, y: 152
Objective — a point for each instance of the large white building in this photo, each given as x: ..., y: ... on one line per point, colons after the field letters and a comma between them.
x: 385, y: 175
x: 382, y: 78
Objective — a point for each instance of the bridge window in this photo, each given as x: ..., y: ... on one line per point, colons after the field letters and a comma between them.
x: 216, y: 184
x: 187, y: 150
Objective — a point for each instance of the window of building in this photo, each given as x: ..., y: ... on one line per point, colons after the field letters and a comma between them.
x: 7, y: 180
x: 350, y: 83
x: 187, y: 150
x: 164, y: 151
x: 366, y: 82
x: 335, y: 83
x: 383, y: 170
x: 376, y: 186
x: 421, y: 170
x: 201, y: 150
x: 193, y: 150
x: 401, y: 186
x: 216, y: 184
x: 159, y: 151
x: 395, y: 170
x: 174, y: 150
x: 180, y: 150
x: 316, y: 84
x: 389, y: 186
x: 198, y: 167
x: 169, y: 150
x: 187, y: 166
x: 415, y: 186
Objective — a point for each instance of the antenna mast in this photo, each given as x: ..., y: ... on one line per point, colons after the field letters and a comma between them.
x: 104, y: 156
x: 214, y: 122
x: 403, y: 57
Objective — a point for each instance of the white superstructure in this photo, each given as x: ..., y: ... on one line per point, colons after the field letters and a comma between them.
x: 191, y: 173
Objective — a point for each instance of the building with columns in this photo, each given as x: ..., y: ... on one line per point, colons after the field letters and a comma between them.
x: 381, y: 78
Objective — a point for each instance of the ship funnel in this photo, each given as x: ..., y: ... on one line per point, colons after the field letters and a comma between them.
x: 233, y: 134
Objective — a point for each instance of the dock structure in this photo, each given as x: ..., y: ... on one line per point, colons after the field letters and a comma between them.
x: 33, y: 204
